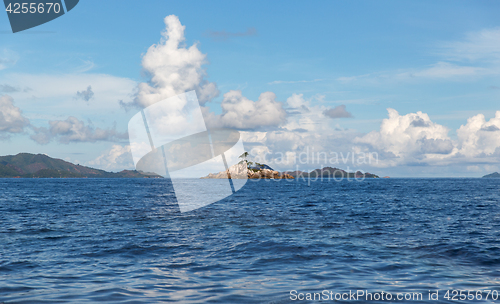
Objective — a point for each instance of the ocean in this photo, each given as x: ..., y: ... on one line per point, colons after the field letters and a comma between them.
x: 274, y: 241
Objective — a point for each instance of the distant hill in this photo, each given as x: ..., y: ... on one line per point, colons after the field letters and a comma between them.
x: 492, y: 175
x: 330, y: 172
x: 42, y: 166
x: 260, y: 167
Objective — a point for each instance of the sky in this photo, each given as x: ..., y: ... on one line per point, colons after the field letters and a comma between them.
x: 397, y: 88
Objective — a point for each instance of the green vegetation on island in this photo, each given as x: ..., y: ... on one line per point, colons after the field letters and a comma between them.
x: 26, y: 165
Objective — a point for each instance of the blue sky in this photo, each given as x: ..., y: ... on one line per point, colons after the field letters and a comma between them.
x: 438, y: 58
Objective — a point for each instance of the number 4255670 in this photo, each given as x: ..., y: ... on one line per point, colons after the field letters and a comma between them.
x: 33, y: 8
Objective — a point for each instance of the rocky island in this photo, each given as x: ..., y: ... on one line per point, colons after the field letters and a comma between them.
x: 492, y: 175
x: 250, y: 170
x: 241, y: 171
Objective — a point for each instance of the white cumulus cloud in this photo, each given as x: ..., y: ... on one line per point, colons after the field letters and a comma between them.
x: 480, y: 137
x: 174, y: 68
x: 115, y: 159
x: 11, y: 117
x: 242, y: 113
x: 409, y: 137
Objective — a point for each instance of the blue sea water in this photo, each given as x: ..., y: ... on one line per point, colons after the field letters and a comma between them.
x: 125, y: 241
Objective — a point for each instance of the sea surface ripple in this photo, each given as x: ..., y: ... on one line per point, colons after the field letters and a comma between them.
x: 125, y: 241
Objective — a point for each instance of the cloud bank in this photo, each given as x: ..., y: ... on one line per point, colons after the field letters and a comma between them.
x: 242, y: 113
x: 115, y: 159
x: 73, y: 130
x: 269, y: 126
